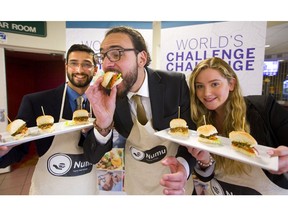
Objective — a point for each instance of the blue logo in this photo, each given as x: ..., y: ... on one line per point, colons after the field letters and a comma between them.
x: 2, y: 36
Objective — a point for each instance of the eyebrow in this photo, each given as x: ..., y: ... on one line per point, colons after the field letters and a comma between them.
x: 210, y: 81
x: 112, y: 47
x: 76, y: 60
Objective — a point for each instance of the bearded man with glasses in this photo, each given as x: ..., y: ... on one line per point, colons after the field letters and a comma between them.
x: 152, y: 165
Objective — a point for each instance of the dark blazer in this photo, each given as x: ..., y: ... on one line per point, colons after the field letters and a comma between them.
x: 167, y: 91
x: 269, y: 126
x: 29, y: 110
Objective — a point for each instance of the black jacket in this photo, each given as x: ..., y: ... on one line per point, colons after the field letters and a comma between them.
x: 29, y: 110
x: 269, y: 126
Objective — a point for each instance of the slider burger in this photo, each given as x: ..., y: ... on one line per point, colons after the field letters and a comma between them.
x: 243, y: 142
x: 17, y: 129
x: 178, y: 127
x: 208, y: 134
x: 111, y: 79
x: 45, y: 123
x: 81, y: 116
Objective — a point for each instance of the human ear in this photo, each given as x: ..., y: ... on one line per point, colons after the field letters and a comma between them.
x: 232, y: 84
x: 142, y: 58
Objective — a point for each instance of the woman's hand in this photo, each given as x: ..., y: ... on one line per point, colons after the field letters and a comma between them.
x: 201, y: 156
x: 282, y: 153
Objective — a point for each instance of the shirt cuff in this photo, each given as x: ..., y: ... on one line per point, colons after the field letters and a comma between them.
x: 101, y: 139
x: 185, y: 164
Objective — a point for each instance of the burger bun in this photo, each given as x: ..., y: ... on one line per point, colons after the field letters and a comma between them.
x: 206, y: 130
x: 111, y: 79
x: 80, y: 116
x: 178, y: 127
x: 45, y: 123
x: 242, y: 137
x: 17, y: 129
x: 210, y: 134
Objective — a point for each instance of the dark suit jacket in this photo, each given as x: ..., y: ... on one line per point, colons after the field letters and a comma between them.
x: 29, y: 110
x: 167, y: 91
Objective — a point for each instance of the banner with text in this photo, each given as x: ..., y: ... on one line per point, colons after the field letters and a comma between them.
x: 241, y: 44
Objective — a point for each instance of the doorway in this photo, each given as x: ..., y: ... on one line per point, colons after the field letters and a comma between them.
x: 30, y: 72
x: 26, y: 73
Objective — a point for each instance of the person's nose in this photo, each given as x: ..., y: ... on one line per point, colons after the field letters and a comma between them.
x: 107, y: 64
x: 207, y: 91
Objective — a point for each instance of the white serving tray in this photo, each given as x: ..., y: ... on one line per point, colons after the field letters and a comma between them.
x: 34, y: 133
x: 263, y: 160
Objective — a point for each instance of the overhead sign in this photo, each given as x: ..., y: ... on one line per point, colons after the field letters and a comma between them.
x: 37, y: 28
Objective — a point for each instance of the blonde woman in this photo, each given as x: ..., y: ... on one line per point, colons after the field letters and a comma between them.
x: 216, y: 93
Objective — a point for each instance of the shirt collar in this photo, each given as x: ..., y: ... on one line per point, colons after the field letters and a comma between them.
x: 73, y: 95
x: 143, y: 91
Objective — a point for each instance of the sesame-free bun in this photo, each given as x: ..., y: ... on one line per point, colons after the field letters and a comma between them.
x: 178, y: 127
x: 206, y: 130
x: 17, y: 129
x: 208, y: 134
x: 45, y: 119
x: 209, y: 141
x: 178, y: 122
x: 111, y: 79
x: 45, y: 123
x: 242, y: 137
x: 243, y: 142
x: 80, y: 116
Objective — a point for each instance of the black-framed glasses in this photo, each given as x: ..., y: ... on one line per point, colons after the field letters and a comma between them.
x: 84, y: 65
x: 113, y: 55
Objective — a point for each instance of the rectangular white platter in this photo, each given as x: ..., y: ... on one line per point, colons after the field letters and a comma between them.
x: 34, y: 133
x: 263, y: 160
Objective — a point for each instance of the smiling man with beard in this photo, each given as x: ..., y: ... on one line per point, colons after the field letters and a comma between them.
x: 66, y: 149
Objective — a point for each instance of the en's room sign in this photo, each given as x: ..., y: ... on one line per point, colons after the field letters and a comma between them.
x: 37, y: 28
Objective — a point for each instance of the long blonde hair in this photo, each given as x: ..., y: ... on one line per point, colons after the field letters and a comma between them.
x: 235, y: 107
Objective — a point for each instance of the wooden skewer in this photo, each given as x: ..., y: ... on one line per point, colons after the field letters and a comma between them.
x: 43, y: 110
x: 7, y: 117
x: 178, y: 111
x: 204, y: 119
x: 243, y: 123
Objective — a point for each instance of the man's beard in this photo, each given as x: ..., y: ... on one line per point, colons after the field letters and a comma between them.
x: 128, y: 82
x: 80, y: 84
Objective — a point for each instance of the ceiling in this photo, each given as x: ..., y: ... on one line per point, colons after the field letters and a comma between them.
x: 277, y: 38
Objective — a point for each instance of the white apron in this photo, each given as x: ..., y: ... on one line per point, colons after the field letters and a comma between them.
x: 63, y: 170
x: 143, y: 154
x: 255, y: 183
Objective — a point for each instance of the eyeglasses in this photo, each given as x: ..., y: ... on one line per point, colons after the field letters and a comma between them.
x: 113, y: 55
x: 84, y: 65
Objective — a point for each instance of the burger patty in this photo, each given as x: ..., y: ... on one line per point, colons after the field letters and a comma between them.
x: 23, y: 129
x: 179, y: 129
x: 211, y: 137
x: 45, y: 126
x: 81, y: 119
x: 244, y: 146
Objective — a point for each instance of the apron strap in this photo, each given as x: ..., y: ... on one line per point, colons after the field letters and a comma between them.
x: 63, y: 102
